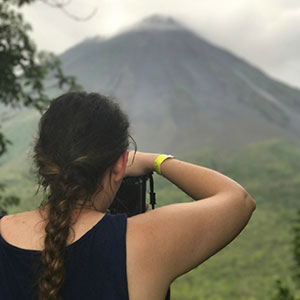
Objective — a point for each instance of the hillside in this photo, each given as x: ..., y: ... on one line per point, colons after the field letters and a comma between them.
x: 249, y: 266
x: 182, y: 92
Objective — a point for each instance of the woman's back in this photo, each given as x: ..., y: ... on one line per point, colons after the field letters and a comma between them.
x: 96, y: 260
x: 160, y: 245
x: 26, y: 231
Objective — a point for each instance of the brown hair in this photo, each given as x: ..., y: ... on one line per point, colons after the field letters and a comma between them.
x: 80, y: 136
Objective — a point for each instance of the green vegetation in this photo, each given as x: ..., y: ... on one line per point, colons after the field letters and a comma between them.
x: 284, y: 292
x: 250, y: 266
x: 24, y: 71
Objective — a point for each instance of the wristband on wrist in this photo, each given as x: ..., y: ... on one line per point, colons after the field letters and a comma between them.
x: 159, y: 160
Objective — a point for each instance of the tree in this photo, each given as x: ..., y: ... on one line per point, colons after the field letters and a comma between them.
x: 283, y: 292
x: 24, y: 71
x: 296, y: 248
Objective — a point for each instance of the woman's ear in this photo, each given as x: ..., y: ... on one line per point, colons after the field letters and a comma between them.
x: 119, y: 167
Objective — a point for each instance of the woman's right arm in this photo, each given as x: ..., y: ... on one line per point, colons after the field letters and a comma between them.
x: 186, y: 234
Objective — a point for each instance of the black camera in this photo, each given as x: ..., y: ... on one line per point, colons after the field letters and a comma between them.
x: 131, y: 196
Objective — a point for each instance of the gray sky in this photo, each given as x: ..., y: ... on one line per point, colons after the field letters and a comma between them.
x: 264, y: 32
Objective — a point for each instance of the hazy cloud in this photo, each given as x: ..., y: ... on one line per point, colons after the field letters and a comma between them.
x: 266, y: 33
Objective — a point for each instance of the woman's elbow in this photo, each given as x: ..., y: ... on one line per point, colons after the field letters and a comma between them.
x: 249, y: 203
x: 246, y: 200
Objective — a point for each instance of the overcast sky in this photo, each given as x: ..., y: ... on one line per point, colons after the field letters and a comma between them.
x: 264, y: 32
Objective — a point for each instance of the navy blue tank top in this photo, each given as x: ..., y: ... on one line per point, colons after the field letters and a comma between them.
x: 95, y: 267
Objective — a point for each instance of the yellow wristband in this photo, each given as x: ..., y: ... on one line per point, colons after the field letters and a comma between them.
x: 159, y: 160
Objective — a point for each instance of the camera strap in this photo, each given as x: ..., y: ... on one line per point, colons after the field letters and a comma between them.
x: 153, y: 202
x: 152, y: 193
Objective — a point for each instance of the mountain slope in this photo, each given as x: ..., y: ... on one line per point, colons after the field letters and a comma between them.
x: 182, y: 92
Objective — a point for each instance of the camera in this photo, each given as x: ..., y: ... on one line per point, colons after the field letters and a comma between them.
x: 131, y: 196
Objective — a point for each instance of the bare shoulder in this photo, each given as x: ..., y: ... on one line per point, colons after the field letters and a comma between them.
x: 13, y: 220
x: 174, y: 239
x: 21, y: 229
x: 21, y: 218
x: 145, y: 277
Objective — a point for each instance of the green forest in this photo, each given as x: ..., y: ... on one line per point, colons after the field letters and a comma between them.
x: 262, y: 254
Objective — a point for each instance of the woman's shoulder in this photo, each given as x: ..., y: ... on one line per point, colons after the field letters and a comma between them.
x: 13, y: 220
x: 27, y: 229
x: 25, y: 218
x: 17, y: 229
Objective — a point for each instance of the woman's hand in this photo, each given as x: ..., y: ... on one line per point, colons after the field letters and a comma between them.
x: 139, y: 163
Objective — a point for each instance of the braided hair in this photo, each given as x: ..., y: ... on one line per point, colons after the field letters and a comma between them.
x: 79, y: 137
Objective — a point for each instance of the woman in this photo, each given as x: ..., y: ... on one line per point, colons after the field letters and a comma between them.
x: 72, y: 248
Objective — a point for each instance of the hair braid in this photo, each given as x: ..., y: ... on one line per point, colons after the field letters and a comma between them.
x: 53, y: 256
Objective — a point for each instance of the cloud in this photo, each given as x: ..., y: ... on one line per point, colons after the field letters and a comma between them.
x: 266, y: 33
